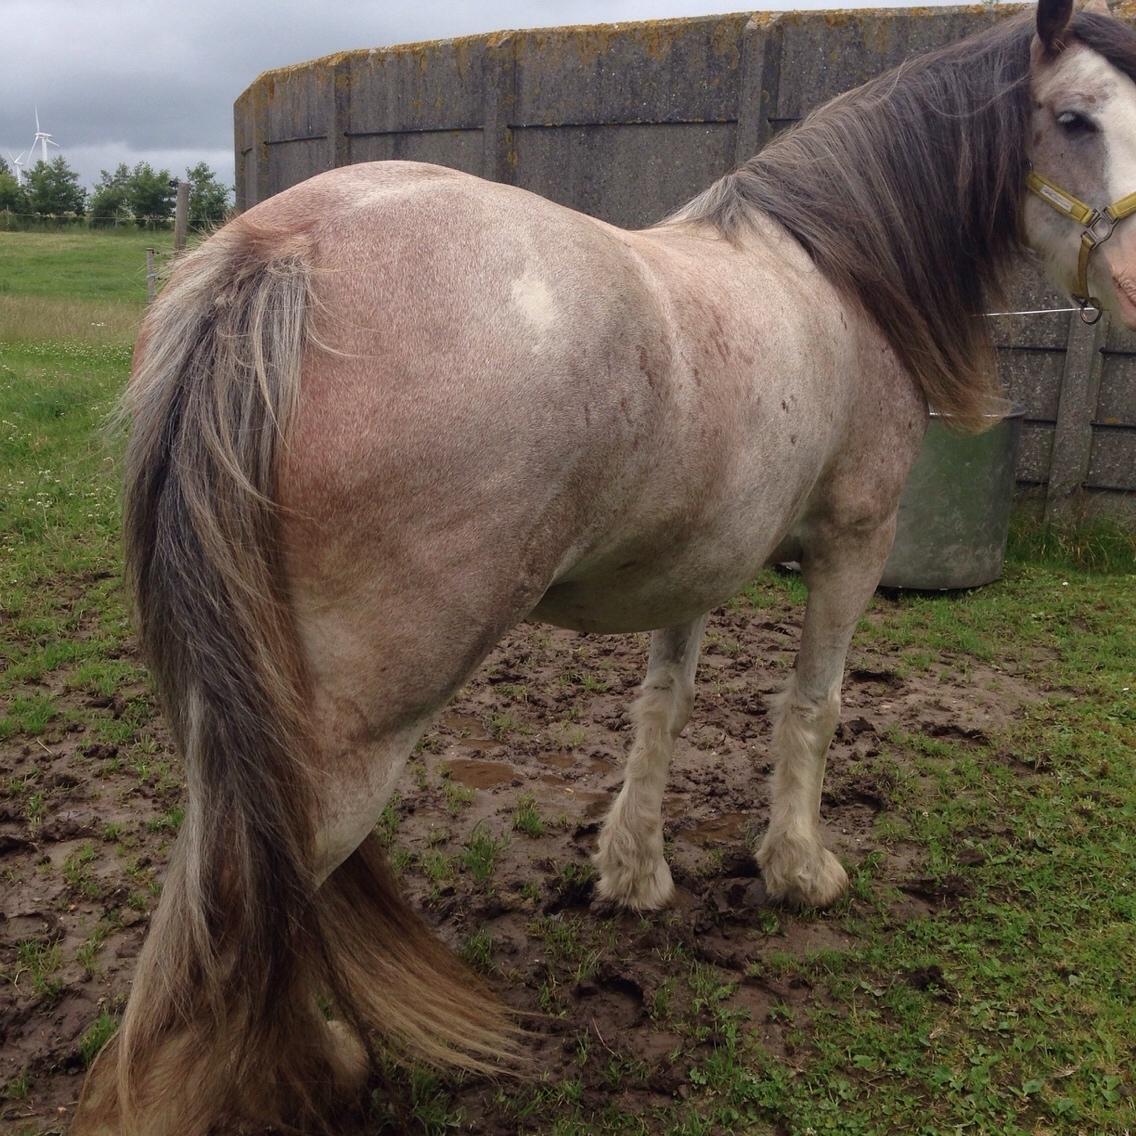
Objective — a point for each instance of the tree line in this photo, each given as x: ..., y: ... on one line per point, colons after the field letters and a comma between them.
x: 142, y: 195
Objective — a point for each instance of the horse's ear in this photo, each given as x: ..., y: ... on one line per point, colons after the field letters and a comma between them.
x: 1052, y: 18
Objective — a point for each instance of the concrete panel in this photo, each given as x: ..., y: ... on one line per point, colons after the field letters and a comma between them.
x: 825, y: 53
x: 628, y: 175
x: 1027, y: 290
x: 1116, y: 404
x: 1120, y: 339
x: 459, y: 149
x: 1035, y: 452
x: 292, y: 162
x: 245, y: 180
x: 299, y: 103
x: 1032, y: 379
x: 426, y: 86
x: 1113, y: 461
x: 661, y: 71
x: 1038, y: 333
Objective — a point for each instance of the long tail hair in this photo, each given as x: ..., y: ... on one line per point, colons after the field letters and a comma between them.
x: 243, y: 944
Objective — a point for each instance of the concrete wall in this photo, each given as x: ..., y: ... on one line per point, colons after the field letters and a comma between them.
x: 628, y: 121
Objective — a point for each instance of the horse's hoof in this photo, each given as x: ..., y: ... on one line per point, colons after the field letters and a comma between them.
x: 817, y: 879
x: 637, y: 891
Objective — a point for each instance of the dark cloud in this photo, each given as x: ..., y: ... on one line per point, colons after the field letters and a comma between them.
x: 144, y: 80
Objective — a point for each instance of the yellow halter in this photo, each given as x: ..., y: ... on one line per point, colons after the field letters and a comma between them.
x: 1099, y: 225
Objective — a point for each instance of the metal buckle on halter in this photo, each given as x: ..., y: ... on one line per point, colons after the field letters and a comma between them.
x: 1095, y: 220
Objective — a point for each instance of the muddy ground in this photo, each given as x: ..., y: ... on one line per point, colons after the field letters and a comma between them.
x: 517, y: 774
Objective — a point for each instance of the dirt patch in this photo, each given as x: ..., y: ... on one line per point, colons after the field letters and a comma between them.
x: 497, y: 818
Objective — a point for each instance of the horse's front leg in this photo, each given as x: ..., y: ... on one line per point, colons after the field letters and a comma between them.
x: 633, y: 872
x: 841, y: 571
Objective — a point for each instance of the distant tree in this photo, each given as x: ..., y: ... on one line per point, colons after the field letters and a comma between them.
x: 12, y: 195
x: 53, y: 187
x: 208, y: 198
x: 149, y: 194
x: 110, y: 199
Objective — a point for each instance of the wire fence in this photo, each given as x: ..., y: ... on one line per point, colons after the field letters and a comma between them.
x: 12, y: 220
x: 9, y: 216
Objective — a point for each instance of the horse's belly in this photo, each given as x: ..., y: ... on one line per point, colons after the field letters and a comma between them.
x: 642, y: 595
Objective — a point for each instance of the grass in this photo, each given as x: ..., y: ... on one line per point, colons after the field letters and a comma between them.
x: 97, y: 1034
x: 1007, y: 1011
x: 76, y: 287
x: 527, y: 818
x: 482, y: 851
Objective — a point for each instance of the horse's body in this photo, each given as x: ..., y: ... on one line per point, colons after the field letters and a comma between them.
x: 394, y: 410
x: 645, y: 439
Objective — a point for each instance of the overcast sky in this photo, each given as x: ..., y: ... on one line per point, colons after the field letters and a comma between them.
x: 152, y: 80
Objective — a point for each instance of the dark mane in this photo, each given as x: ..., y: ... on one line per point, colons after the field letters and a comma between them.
x: 907, y: 194
x: 1109, y: 38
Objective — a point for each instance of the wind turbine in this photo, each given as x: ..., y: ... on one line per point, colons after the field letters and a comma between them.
x: 42, y: 139
x: 18, y: 164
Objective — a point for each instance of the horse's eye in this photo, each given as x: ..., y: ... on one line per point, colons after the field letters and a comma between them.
x: 1073, y: 122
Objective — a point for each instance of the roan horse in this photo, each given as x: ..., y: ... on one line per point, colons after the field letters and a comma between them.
x: 389, y: 413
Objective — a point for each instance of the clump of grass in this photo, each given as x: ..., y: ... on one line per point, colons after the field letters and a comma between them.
x: 568, y: 734
x: 88, y: 952
x: 458, y: 796
x: 39, y: 961
x: 527, y: 818
x: 388, y: 821
x: 503, y: 724
x: 96, y: 1035
x: 477, y: 950
x: 18, y: 1088
x: 437, y: 866
x: 76, y: 871
x: 481, y: 853
x: 169, y: 821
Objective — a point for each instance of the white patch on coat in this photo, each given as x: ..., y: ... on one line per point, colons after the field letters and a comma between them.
x: 534, y: 300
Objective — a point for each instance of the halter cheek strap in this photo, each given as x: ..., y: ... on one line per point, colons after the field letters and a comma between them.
x: 1099, y: 225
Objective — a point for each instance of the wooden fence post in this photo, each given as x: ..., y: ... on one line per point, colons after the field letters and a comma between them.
x: 151, y: 276
x: 181, y: 215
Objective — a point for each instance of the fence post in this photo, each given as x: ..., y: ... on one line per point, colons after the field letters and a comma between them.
x: 181, y: 215
x: 1073, y: 436
x: 151, y: 276
x: 498, y: 158
x: 760, y: 82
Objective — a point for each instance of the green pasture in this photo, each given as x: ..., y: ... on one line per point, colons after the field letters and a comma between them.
x: 1024, y: 1018
x: 76, y: 287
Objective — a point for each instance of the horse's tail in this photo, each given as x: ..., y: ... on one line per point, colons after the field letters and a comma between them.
x: 245, y: 940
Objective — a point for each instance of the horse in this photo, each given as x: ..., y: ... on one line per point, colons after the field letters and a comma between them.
x: 390, y: 412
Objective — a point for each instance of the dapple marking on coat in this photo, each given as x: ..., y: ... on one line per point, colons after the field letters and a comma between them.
x: 389, y: 413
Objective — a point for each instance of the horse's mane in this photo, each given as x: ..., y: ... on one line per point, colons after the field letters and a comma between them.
x: 907, y: 194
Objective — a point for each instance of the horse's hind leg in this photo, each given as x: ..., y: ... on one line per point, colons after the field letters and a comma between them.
x: 841, y: 573
x: 633, y: 872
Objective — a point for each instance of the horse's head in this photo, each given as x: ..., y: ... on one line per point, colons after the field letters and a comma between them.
x: 1081, y: 212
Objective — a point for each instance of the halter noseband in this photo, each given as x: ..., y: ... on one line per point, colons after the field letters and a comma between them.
x: 1099, y: 225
